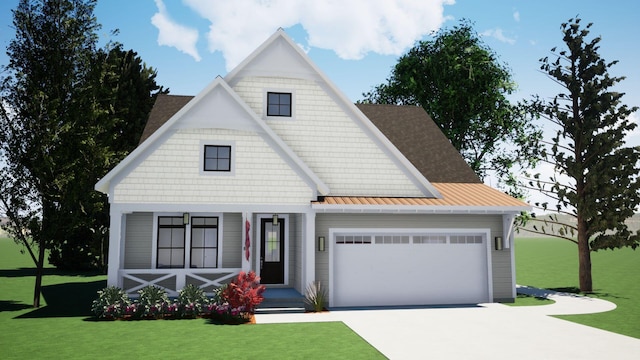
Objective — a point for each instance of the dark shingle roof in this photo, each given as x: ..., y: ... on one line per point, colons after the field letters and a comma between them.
x: 421, y: 141
x: 409, y: 128
x: 163, y: 109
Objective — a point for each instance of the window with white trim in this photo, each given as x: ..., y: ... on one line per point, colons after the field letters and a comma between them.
x: 279, y: 104
x: 217, y: 158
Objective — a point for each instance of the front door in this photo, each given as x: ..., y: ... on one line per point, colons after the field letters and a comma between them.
x: 272, y: 252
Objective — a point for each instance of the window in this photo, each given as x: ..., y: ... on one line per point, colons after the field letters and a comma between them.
x: 217, y: 158
x: 204, y: 242
x: 171, y: 232
x: 353, y: 239
x: 278, y: 104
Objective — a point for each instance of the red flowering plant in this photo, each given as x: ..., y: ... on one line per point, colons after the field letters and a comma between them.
x: 244, y: 292
x: 236, y: 301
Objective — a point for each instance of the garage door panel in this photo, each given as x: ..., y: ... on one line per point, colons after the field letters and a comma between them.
x: 409, y: 274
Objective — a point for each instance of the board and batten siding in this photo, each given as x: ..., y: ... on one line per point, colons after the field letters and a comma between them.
x: 138, y: 241
x: 330, y: 142
x: 172, y: 173
x: 501, y: 260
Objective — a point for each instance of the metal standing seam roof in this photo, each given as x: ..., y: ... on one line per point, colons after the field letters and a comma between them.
x: 453, y: 194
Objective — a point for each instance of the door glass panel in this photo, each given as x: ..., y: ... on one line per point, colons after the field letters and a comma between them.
x: 272, y: 245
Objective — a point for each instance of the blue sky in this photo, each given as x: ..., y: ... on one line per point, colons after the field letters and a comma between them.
x: 519, y: 31
x: 357, y: 42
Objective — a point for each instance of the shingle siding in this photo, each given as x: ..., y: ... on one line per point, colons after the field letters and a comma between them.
x: 330, y: 142
x: 172, y: 173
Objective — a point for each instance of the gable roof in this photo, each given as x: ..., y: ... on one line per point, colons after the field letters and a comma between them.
x: 409, y: 128
x: 170, y: 110
x: 421, y: 141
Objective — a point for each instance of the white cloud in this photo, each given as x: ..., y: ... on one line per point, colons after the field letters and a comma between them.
x: 173, y: 34
x: 350, y: 28
x: 499, y: 35
x: 516, y: 16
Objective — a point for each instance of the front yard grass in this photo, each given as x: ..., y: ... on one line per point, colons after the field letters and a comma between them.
x: 64, y: 328
x: 553, y: 264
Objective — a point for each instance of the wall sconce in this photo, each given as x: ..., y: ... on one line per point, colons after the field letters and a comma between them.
x: 185, y: 219
x: 498, y: 242
x: 321, y: 243
x: 274, y: 220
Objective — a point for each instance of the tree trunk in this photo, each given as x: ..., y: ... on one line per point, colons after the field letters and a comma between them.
x: 584, y: 258
x: 39, y: 271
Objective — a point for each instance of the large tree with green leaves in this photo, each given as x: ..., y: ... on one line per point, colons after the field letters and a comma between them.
x: 595, y: 183
x: 460, y: 82
x: 70, y: 111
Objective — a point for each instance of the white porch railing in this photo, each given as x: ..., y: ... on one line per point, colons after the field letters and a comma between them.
x: 173, y: 280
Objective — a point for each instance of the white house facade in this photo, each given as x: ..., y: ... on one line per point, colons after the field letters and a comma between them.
x: 272, y: 169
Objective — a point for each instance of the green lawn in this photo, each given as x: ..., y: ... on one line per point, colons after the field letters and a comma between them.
x: 553, y: 264
x: 64, y: 329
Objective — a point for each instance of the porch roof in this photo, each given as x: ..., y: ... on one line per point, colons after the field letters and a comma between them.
x: 455, y: 196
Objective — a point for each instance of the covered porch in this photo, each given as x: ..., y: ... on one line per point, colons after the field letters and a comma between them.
x: 171, y: 249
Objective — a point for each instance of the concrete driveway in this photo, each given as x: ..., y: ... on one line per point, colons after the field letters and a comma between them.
x: 486, y: 331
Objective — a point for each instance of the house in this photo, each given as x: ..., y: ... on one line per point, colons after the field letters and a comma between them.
x: 272, y: 169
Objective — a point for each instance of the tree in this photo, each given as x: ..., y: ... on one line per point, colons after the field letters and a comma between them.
x: 48, y: 60
x: 70, y: 111
x: 123, y: 90
x: 596, y: 177
x: 459, y: 81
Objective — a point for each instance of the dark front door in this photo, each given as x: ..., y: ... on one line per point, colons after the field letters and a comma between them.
x: 272, y: 252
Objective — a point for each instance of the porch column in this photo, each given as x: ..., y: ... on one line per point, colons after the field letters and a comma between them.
x: 309, y: 250
x: 115, y: 245
x: 246, y: 263
x: 508, y: 239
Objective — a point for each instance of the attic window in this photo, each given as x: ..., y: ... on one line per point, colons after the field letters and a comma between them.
x: 279, y: 104
x: 217, y: 158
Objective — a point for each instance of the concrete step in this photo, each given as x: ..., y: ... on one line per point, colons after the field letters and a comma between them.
x: 279, y: 310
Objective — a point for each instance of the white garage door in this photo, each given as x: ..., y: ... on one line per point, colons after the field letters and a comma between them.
x: 382, y: 269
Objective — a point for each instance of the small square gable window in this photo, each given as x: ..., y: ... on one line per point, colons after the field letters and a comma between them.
x: 278, y: 104
x: 217, y: 158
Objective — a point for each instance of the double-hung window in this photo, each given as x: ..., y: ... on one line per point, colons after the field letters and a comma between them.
x: 204, y: 242
x: 171, y: 242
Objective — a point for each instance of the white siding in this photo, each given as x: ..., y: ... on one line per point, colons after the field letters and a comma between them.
x: 172, y: 173
x: 331, y: 143
x: 232, y: 240
x: 138, y: 241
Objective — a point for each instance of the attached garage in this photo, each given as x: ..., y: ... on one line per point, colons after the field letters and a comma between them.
x: 409, y: 267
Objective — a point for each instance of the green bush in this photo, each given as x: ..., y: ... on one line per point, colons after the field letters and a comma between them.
x: 191, y: 301
x: 152, y: 303
x: 111, y: 303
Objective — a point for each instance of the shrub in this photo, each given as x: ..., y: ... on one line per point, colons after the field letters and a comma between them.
x: 315, y: 296
x: 191, y: 301
x: 111, y: 303
x: 245, y: 292
x: 153, y: 302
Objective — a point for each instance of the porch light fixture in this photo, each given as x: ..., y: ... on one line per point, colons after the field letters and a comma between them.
x: 321, y: 243
x: 185, y: 218
x: 498, y: 242
x: 274, y: 220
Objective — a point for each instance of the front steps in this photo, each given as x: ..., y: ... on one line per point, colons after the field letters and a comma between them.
x: 281, y: 300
